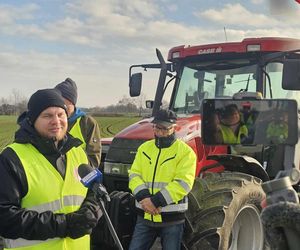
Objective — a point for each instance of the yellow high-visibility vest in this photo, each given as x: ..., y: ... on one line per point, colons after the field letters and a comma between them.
x: 230, y: 137
x: 48, y: 191
x: 75, y: 131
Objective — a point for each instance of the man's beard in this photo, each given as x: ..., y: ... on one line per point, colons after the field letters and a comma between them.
x: 165, y: 142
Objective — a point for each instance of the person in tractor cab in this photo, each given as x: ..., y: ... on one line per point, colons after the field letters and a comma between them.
x: 81, y: 125
x: 160, y: 178
x: 43, y: 204
x: 233, y: 130
x: 277, y: 130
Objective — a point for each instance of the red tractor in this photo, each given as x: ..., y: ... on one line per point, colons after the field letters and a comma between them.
x: 224, y: 205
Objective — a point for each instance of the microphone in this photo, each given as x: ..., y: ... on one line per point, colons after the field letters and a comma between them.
x: 91, y: 178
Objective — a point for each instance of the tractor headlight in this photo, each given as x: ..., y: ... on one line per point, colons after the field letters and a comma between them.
x: 116, y: 168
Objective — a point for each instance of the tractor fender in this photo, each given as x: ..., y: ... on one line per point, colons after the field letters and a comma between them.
x: 241, y: 163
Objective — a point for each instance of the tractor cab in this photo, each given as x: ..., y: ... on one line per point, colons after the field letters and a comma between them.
x: 256, y: 68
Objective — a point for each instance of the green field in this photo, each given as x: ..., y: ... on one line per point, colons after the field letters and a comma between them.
x: 8, y: 126
x: 109, y: 127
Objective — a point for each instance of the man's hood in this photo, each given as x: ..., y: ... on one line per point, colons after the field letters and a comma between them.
x: 26, y: 133
x: 78, y: 113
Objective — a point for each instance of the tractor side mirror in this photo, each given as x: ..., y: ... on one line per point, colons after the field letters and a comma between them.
x: 135, y: 84
x: 249, y: 122
x: 291, y: 74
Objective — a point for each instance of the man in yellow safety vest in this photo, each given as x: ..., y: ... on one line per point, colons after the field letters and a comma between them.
x: 81, y: 125
x: 43, y: 204
x: 160, y: 178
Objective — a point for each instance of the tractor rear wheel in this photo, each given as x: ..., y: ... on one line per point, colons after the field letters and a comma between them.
x: 224, y: 213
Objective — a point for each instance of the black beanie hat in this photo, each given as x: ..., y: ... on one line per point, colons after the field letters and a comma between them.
x: 68, y: 90
x: 43, y: 99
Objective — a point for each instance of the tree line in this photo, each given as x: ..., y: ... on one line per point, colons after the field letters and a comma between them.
x: 126, y: 105
x: 16, y: 103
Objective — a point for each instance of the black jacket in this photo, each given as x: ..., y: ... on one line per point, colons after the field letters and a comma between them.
x: 17, y: 222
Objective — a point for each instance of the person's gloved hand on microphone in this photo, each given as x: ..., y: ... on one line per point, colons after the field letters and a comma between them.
x: 82, y: 221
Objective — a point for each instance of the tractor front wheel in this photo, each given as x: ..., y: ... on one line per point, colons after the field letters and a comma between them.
x: 224, y: 213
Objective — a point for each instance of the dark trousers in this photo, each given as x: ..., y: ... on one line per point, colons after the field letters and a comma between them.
x: 145, y: 235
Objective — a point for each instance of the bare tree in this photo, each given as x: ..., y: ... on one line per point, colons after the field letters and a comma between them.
x: 126, y: 104
x: 3, y: 100
x: 18, y: 101
x: 15, y: 104
x: 140, y: 102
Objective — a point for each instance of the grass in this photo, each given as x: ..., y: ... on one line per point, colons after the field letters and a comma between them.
x: 8, y: 126
x: 109, y: 126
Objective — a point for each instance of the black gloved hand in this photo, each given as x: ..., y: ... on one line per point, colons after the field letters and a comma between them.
x: 92, y: 203
x: 82, y: 221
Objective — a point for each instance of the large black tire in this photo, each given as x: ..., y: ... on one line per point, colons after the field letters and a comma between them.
x: 224, y: 213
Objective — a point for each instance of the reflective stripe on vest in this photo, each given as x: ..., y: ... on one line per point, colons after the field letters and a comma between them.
x: 24, y: 243
x: 48, y: 191
x: 159, y: 186
x: 75, y: 131
x: 56, y: 205
x: 169, y: 208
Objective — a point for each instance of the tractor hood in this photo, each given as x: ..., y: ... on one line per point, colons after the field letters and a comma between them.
x: 125, y: 144
x: 187, y: 128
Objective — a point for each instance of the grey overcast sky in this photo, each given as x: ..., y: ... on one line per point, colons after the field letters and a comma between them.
x: 95, y: 41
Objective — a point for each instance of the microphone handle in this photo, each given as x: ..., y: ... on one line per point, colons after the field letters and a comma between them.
x: 100, y: 191
x: 110, y: 225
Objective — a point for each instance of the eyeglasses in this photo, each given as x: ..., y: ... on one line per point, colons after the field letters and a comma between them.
x: 156, y: 127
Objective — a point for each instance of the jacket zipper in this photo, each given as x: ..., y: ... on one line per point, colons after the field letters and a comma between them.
x: 153, y: 179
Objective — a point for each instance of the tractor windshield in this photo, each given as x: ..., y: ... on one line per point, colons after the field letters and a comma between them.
x: 223, y: 79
